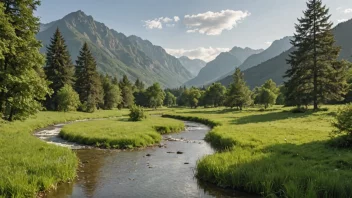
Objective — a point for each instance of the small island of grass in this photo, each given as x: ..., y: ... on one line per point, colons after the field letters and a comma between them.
x: 120, y: 133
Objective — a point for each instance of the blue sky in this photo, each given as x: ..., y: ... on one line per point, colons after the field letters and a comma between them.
x: 203, y: 28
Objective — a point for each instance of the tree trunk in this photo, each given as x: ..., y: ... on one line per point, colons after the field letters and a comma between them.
x: 315, y: 70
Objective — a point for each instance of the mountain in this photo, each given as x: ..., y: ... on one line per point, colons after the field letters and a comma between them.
x: 117, y: 54
x: 275, y: 49
x: 192, y: 65
x: 221, y: 65
x: 276, y: 67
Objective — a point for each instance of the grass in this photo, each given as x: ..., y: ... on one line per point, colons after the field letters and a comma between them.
x: 120, y: 133
x: 275, y: 153
x: 29, y: 165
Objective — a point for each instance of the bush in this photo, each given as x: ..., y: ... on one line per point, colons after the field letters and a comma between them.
x: 343, y: 123
x: 136, y: 113
x: 299, y: 110
x: 67, y: 99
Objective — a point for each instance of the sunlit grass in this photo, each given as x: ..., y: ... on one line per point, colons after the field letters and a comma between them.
x: 121, y: 133
x: 29, y: 165
x: 275, y: 153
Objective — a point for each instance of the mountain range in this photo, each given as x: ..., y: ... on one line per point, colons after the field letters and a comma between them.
x: 224, y: 63
x: 192, y: 65
x: 276, y: 67
x: 117, y: 54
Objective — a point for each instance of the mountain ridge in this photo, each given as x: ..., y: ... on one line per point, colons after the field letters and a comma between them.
x: 117, y: 54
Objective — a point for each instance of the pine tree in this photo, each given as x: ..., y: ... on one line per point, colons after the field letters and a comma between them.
x: 126, y: 92
x: 238, y: 94
x: 22, y: 82
x: 139, y: 85
x: 88, y: 84
x: 315, y: 76
x: 59, y: 68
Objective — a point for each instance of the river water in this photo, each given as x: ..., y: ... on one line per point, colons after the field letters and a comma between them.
x: 152, y: 172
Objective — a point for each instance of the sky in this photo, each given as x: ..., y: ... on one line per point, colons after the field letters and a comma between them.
x: 196, y: 28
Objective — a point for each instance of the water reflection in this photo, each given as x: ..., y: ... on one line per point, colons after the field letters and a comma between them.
x: 153, y: 172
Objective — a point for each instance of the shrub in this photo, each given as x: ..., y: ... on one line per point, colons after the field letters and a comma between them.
x: 137, y: 113
x: 343, y: 123
x: 299, y: 110
x: 67, y: 99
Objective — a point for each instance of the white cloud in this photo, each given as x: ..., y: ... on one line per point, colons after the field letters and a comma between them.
x: 269, y: 42
x: 342, y: 20
x: 347, y: 11
x: 213, y: 23
x: 157, y: 23
x: 203, y: 53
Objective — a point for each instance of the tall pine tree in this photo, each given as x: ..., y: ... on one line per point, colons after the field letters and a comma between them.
x: 59, y: 68
x: 238, y: 94
x: 22, y: 82
x: 88, y: 84
x: 315, y: 76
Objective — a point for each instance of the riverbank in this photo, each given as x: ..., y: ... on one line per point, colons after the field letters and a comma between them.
x: 275, y: 153
x: 121, y: 133
x: 29, y: 165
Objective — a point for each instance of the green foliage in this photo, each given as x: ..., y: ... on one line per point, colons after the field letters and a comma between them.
x: 214, y: 95
x: 238, y: 94
x: 280, y: 100
x: 58, y: 69
x: 88, y: 84
x: 170, y: 99
x: 22, y: 82
x: 315, y: 76
x: 193, y: 97
x: 126, y: 92
x: 119, y: 133
x: 155, y: 95
x: 267, y: 94
x: 139, y: 85
x: 343, y: 123
x: 67, y: 99
x: 112, y: 93
x: 137, y: 113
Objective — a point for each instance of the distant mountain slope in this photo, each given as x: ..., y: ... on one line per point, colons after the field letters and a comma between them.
x: 275, y: 49
x: 192, y: 65
x: 115, y: 53
x: 221, y: 65
x: 276, y: 67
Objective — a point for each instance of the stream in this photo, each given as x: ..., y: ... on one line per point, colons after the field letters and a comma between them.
x: 166, y: 170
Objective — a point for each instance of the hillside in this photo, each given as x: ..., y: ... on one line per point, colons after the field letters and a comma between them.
x: 276, y: 67
x: 192, y: 65
x: 115, y: 53
x: 221, y: 65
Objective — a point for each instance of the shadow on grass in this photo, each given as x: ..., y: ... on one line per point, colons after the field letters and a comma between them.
x: 204, y: 111
x: 269, y: 117
x: 284, y: 170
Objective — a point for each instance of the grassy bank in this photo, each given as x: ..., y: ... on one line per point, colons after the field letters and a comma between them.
x: 120, y: 133
x: 275, y: 153
x: 29, y: 165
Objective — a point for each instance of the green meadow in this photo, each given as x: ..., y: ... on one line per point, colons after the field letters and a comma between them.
x: 121, y: 133
x: 29, y: 165
x: 275, y: 153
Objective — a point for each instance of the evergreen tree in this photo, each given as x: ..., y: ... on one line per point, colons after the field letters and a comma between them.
x: 155, y: 95
x: 88, y: 84
x: 139, y: 85
x: 127, y: 97
x: 315, y: 75
x: 22, y: 82
x: 126, y: 92
x: 238, y: 94
x: 59, y: 68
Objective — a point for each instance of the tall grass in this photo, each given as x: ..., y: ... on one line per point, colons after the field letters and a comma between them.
x: 119, y: 133
x: 29, y: 165
x: 275, y: 153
